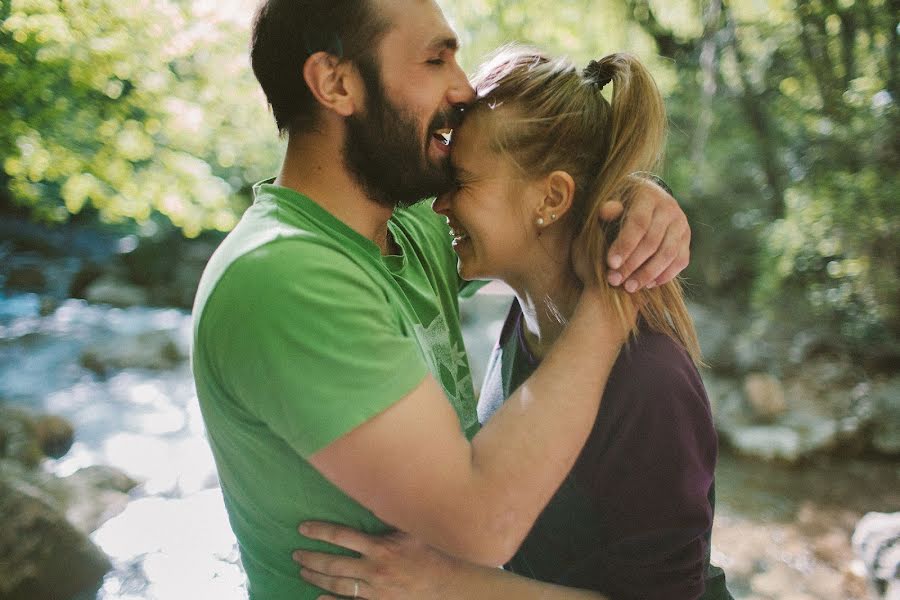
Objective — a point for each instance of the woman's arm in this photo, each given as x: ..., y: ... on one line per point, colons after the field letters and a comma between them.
x: 398, y: 567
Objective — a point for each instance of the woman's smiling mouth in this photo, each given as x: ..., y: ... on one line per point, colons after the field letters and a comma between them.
x: 458, y: 234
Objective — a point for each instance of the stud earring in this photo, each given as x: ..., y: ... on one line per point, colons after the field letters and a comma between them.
x: 552, y: 217
x: 540, y: 222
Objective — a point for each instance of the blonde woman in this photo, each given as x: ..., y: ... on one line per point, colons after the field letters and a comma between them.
x: 542, y: 150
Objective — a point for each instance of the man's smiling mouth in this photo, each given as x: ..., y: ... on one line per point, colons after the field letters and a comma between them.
x: 443, y: 136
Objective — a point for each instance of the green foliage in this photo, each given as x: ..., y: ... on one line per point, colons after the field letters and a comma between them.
x: 784, y: 138
x: 129, y: 108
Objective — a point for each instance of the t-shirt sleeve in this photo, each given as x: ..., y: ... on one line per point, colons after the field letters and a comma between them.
x: 654, y: 467
x: 306, y: 342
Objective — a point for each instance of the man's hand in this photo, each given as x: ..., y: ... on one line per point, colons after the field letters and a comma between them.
x: 395, y: 566
x: 653, y: 245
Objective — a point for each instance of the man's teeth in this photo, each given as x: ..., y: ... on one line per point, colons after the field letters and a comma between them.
x: 444, y: 136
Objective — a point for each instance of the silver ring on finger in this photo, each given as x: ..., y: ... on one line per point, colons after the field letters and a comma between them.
x: 356, y: 588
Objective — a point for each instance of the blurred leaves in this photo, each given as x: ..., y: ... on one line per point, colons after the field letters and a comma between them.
x: 783, y: 149
x: 784, y: 144
x: 130, y: 108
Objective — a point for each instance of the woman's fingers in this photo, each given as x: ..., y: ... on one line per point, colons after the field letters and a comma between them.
x: 345, y: 537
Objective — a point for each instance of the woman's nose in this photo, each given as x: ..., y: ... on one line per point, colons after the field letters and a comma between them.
x: 441, y: 204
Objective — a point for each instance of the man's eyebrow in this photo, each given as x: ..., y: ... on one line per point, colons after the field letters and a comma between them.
x: 444, y: 41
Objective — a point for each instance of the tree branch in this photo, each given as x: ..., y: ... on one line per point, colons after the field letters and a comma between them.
x: 666, y: 41
x: 760, y: 123
x: 818, y: 59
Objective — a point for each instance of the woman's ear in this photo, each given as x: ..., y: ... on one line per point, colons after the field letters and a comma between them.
x: 559, y: 193
x: 334, y: 83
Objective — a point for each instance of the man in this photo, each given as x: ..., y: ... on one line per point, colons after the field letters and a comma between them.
x: 328, y: 356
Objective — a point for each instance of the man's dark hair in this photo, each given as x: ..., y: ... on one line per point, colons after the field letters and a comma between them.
x: 287, y: 32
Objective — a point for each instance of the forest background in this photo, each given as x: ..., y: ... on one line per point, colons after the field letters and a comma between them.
x: 131, y: 134
x: 783, y: 148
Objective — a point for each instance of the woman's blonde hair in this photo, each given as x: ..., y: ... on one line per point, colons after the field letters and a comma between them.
x: 546, y: 115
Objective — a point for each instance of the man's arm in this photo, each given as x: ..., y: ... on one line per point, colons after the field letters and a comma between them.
x: 415, y: 470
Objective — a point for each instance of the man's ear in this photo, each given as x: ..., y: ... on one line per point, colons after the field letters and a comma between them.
x: 558, y: 193
x: 334, y: 83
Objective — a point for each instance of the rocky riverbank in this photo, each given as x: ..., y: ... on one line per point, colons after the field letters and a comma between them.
x: 93, y: 355
x: 44, y: 545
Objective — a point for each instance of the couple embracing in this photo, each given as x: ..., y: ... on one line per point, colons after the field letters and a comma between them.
x: 328, y: 353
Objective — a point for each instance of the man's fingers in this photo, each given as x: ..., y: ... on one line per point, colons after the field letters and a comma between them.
x: 649, y: 245
x: 634, y: 227
x: 334, y: 565
x: 665, y: 256
x: 342, y: 586
x: 611, y: 210
x: 338, y: 535
x: 677, y: 266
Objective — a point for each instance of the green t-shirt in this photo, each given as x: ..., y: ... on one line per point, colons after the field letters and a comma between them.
x: 302, y: 332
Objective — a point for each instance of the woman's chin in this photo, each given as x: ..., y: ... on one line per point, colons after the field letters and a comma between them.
x: 467, y: 271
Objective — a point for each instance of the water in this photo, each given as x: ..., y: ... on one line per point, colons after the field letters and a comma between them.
x: 173, y: 539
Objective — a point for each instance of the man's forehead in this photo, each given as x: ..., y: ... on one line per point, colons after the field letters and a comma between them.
x: 420, y: 23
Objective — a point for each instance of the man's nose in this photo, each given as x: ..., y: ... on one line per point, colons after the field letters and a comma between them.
x: 460, y: 92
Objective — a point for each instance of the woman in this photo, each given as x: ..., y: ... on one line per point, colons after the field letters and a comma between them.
x: 633, y: 518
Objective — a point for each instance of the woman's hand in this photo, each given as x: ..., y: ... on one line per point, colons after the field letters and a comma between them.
x: 391, y: 566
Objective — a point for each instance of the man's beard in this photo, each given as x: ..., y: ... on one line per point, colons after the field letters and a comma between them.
x: 383, y: 152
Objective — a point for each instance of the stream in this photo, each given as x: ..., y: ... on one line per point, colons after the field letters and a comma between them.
x: 173, y: 540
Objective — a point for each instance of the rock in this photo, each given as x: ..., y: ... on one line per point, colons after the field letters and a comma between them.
x: 27, y: 278
x: 774, y: 581
x: 94, y: 495
x: 765, y: 396
x: 103, y: 477
x: 877, y: 541
x: 110, y: 290
x: 187, y: 273
x: 47, y: 306
x: 55, y: 435
x: 725, y: 399
x: 27, y: 438
x: 86, y: 275
x: 827, y: 405
x: 716, y: 331
x: 830, y: 546
x: 885, y: 397
x: 768, y: 442
x: 169, y: 266
x: 42, y: 556
x: 151, y: 350
x: 88, y: 497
